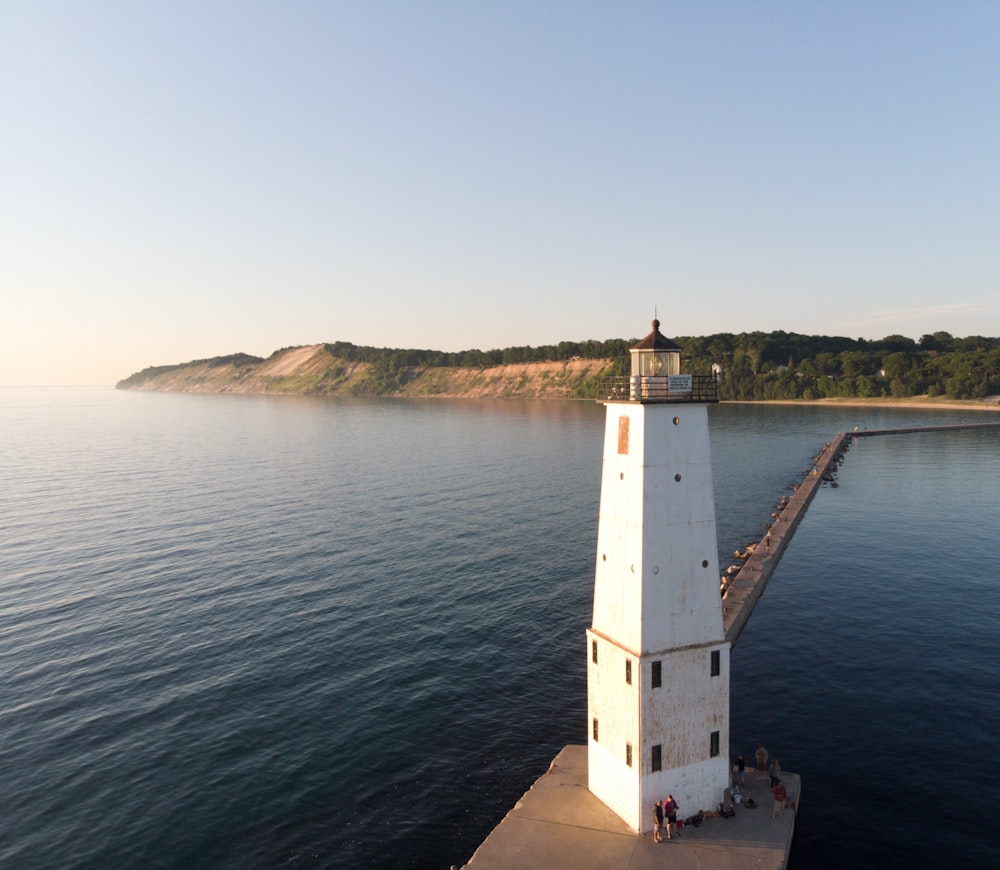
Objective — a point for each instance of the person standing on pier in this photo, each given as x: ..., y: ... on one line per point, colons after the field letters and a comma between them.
x: 741, y: 769
x: 761, y: 758
x: 657, y: 821
x: 670, y: 810
x: 774, y: 769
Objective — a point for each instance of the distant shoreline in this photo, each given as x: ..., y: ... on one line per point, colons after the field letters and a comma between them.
x: 991, y: 403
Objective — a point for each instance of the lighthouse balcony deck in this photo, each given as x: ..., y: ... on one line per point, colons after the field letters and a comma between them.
x: 659, y: 389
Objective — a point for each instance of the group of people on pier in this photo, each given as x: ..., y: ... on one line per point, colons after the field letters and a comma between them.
x: 765, y: 766
x: 665, y: 811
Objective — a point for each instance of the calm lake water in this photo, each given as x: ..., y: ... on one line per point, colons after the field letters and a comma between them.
x: 261, y: 631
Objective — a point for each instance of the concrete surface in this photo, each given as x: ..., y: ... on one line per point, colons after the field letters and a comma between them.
x: 559, y: 824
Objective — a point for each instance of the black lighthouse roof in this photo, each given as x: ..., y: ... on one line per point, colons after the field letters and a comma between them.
x: 656, y: 340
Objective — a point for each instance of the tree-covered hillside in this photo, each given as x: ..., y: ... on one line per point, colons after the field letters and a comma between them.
x: 761, y: 365
x: 780, y: 365
x: 750, y: 366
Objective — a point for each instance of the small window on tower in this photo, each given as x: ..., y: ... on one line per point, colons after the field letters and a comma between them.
x: 623, y: 436
x: 628, y: 754
x: 628, y: 671
x: 657, y: 757
x: 595, y: 729
x: 593, y: 651
x: 713, y: 744
x: 657, y: 674
x: 715, y: 663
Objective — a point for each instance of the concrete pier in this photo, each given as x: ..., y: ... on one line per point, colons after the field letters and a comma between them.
x: 751, y: 580
x: 859, y: 433
x: 559, y: 824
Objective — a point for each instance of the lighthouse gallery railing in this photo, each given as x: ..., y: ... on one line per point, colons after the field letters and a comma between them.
x: 673, y: 388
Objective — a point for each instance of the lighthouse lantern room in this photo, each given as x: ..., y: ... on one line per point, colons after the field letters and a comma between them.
x: 658, y: 662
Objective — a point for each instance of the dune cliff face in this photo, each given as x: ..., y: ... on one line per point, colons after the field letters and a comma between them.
x: 314, y: 370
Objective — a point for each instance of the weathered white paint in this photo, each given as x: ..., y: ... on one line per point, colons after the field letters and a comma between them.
x: 656, y: 598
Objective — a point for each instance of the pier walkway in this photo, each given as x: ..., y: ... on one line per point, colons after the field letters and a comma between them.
x: 749, y: 583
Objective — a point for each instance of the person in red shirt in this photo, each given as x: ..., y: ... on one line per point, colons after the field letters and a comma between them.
x: 780, y: 796
x: 670, y: 811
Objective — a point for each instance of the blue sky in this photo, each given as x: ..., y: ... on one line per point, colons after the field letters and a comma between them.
x: 181, y: 180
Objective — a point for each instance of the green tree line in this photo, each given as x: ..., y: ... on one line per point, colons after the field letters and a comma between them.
x: 396, y: 358
x: 781, y: 365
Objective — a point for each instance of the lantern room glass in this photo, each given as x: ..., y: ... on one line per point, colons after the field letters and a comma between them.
x: 652, y: 364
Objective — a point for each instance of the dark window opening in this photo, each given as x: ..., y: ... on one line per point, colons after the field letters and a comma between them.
x: 713, y: 744
x: 628, y: 754
x: 715, y: 662
x: 595, y: 729
x: 593, y: 651
x: 657, y: 757
x: 628, y: 671
x: 657, y: 674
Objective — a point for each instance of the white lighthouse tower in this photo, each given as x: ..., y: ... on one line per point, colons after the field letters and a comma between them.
x: 658, y: 662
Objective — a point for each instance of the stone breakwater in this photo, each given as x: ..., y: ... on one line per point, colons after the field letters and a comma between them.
x: 742, y: 585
